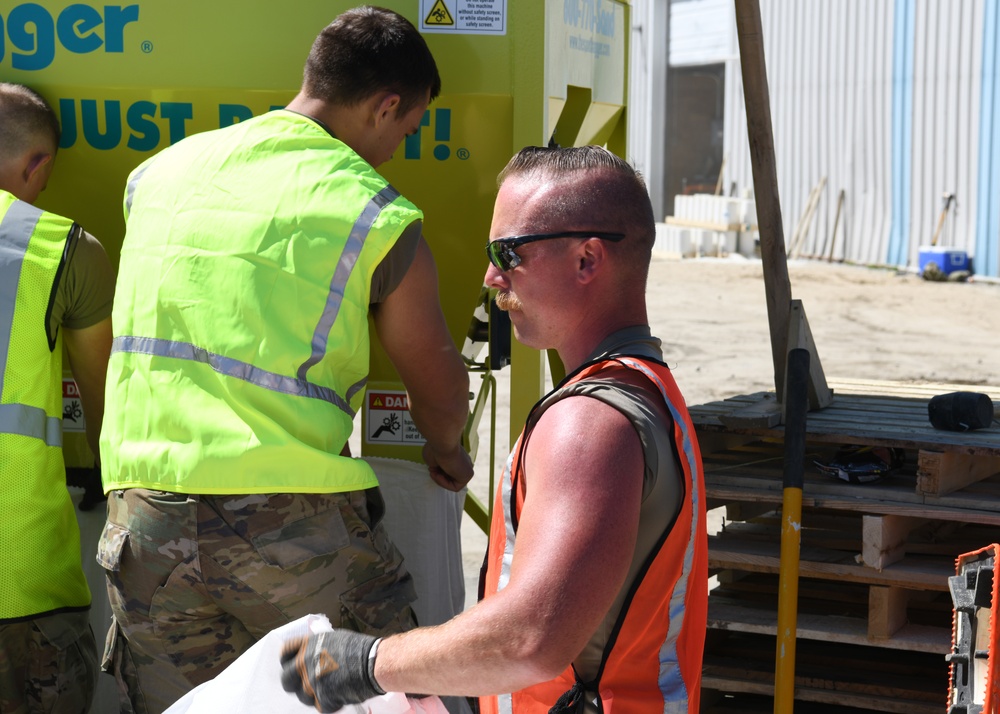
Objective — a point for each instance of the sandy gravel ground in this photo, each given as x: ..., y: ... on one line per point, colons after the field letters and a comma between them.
x: 868, y: 323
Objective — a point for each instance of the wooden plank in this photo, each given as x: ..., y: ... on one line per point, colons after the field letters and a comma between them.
x: 830, y: 690
x: 827, y: 628
x: 820, y: 529
x: 941, y: 472
x: 924, y: 390
x: 884, y: 539
x: 858, y: 419
x: 739, y: 511
x: 762, y: 415
x: 709, y: 443
x: 918, y: 573
x: 869, y: 677
x: 759, y: 471
x: 708, y: 225
x: 777, y: 286
x: 962, y: 514
x: 886, y: 611
x: 894, y: 704
x: 800, y: 337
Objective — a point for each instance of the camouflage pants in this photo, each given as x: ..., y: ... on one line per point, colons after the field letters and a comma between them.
x: 48, y: 665
x: 194, y: 581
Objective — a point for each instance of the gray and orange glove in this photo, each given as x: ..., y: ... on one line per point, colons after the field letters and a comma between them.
x: 330, y: 670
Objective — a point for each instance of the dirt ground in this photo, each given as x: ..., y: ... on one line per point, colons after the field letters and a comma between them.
x: 867, y: 323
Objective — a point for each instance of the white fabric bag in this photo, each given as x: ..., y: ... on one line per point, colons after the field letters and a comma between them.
x: 425, y: 522
x: 252, y: 684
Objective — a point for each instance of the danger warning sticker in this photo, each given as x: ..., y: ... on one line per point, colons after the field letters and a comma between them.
x: 464, y: 17
x: 388, y: 420
x: 72, y: 408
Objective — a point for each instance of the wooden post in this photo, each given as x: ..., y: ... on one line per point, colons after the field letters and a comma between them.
x: 777, y: 287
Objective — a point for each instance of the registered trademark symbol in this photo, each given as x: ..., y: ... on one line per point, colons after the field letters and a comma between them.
x: 463, y: 154
x: 147, y: 47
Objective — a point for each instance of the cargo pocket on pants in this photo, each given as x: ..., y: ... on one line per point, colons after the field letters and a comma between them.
x: 117, y: 661
x: 302, y: 540
x: 110, y: 547
x: 380, y: 606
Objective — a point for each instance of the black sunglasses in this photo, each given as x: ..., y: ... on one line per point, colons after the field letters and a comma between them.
x: 502, y: 255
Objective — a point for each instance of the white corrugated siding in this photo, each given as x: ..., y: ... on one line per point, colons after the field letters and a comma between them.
x: 647, y: 94
x: 699, y: 32
x: 883, y: 100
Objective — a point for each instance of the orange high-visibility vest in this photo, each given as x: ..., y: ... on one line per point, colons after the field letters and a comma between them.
x: 652, y: 660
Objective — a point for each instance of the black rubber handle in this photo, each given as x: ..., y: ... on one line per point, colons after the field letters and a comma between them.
x: 796, y: 408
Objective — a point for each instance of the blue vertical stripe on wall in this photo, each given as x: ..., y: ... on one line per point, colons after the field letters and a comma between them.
x: 902, y: 131
x: 988, y: 201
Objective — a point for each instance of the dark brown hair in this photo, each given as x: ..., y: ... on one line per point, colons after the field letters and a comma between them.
x: 368, y: 50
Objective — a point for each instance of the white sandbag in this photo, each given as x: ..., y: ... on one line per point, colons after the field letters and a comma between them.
x: 424, y: 521
x: 252, y: 684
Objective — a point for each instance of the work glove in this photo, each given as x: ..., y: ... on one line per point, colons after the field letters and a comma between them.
x: 330, y: 670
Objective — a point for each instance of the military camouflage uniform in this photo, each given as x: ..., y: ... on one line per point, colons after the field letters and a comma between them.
x: 207, y: 576
x: 48, y: 664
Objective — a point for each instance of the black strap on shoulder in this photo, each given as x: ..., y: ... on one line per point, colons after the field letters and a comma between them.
x: 71, y: 238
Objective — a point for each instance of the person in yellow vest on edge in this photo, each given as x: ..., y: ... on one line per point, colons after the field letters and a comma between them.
x: 596, y: 577
x: 252, y: 258
x: 56, y: 287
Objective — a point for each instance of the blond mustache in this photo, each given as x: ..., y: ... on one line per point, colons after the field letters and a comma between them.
x: 506, y: 301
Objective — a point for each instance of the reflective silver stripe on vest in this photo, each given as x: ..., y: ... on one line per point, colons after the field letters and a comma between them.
x: 355, y: 388
x: 130, y: 189
x: 348, y: 258
x: 671, y: 684
x: 16, y: 229
x: 229, y: 367
x: 30, y: 421
x: 505, y: 704
x: 506, y: 481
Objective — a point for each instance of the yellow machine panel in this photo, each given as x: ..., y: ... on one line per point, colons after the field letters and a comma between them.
x: 129, y: 79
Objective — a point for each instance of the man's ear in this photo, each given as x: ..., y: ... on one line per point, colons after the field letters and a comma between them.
x: 386, y: 107
x: 591, y: 256
x: 33, y: 169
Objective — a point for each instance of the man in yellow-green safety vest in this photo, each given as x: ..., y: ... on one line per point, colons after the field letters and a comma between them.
x: 56, y: 288
x: 252, y: 259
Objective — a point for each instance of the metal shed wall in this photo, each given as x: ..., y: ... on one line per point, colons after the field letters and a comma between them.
x: 890, y: 103
x: 647, y: 90
x: 696, y: 34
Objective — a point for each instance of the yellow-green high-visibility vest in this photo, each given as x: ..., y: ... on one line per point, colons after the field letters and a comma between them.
x: 40, y: 568
x: 241, y: 312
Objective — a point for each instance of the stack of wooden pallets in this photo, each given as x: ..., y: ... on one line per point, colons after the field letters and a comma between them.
x: 874, y: 611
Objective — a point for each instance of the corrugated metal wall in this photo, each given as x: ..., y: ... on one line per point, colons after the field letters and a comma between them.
x: 889, y: 103
x: 696, y: 34
x: 647, y: 93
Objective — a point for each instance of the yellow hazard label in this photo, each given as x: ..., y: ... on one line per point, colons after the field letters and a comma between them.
x: 439, y: 15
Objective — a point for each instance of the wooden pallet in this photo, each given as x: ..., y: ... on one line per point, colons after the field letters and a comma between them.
x: 830, y: 677
x: 874, y: 558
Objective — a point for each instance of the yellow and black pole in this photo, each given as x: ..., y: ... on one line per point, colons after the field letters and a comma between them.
x: 796, y: 407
